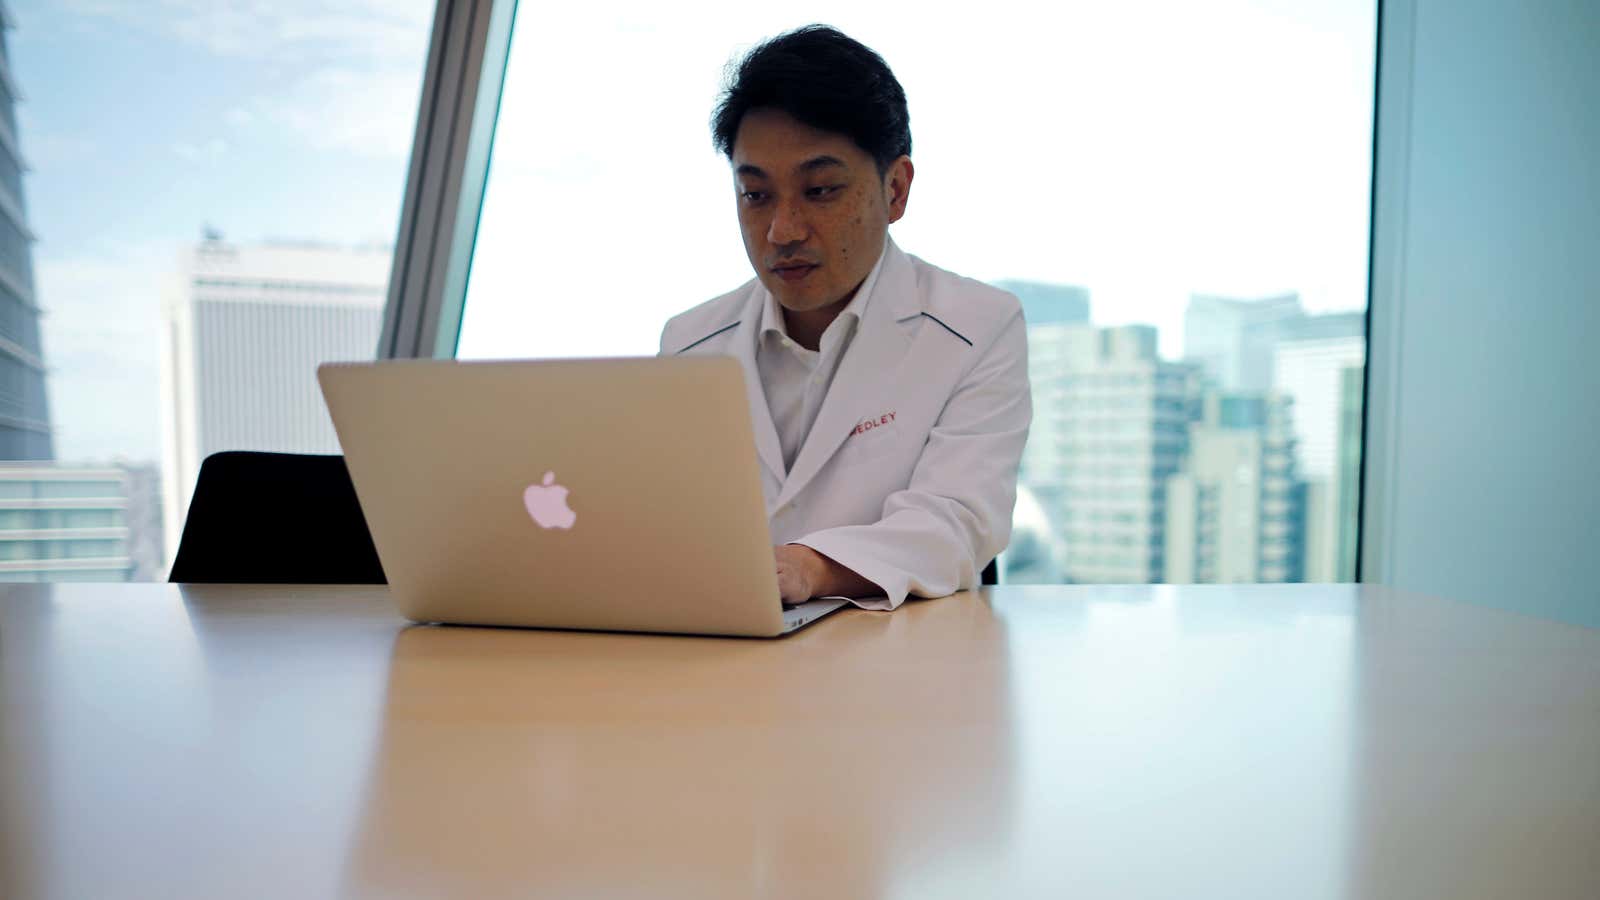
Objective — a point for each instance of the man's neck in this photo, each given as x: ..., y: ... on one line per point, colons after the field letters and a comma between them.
x: 806, y: 328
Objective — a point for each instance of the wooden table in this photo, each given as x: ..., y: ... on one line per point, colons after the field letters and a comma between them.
x: 1214, y: 742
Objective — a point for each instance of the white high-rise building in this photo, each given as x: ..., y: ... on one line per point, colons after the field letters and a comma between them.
x: 65, y: 523
x: 1053, y: 352
x: 244, y: 330
x: 1311, y: 372
x: 1110, y: 425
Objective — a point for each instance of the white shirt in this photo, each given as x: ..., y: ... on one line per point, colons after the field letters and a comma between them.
x: 796, y: 380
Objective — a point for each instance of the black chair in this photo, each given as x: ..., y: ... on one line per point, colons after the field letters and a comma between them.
x: 275, y: 518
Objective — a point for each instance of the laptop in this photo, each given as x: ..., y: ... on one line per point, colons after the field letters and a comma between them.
x: 605, y: 494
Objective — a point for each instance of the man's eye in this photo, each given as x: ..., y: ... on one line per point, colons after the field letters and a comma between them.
x: 827, y: 190
x: 754, y: 197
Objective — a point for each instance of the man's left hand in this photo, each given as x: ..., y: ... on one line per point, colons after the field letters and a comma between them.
x: 797, y: 572
x: 803, y: 573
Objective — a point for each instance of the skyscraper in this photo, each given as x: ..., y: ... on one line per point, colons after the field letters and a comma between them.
x: 1325, y: 326
x: 1049, y: 304
x: 1235, y: 512
x: 1311, y: 373
x: 1054, y: 352
x: 1272, y: 345
x: 24, y: 410
x: 1352, y: 392
x: 1232, y: 340
x: 1110, y: 426
x: 242, y: 339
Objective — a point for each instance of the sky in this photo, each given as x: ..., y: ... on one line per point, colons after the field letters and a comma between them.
x: 1146, y: 150
x: 144, y: 122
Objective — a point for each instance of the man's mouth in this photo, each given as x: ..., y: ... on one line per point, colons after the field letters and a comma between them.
x: 793, y: 271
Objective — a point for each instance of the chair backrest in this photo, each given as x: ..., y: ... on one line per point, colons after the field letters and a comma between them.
x: 991, y: 572
x: 275, y: 518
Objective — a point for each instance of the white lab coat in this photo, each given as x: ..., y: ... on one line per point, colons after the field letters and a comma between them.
x: 909, y: 475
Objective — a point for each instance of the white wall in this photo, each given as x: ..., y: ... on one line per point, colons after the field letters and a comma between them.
x: 1483, y: 451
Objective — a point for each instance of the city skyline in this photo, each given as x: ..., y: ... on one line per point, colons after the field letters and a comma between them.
x: 1236, y: 463
x: 229, y: 126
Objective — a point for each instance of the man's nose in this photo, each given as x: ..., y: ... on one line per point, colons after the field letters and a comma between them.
x: 788, y: 226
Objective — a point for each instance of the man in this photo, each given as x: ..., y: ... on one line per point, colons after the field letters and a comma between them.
x: 890, y: 398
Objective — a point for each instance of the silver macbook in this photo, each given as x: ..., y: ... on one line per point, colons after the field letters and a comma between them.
x: 613, y: 494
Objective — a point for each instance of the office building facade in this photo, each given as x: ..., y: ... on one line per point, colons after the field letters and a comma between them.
x: 243, y: 334
x: 1310, y: 372
x: 1236, y: 511
x: 24, y: 408
x: 1232, y: 340
x: 1352, y: 394
x: 1110, y: 427
x: 1272, y: 345
x: 60, y: 523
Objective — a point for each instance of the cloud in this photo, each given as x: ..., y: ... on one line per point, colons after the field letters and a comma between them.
x: 291, y: 31
x: 350, y: 74
x: 206, y: 151
x: 364, y: 112
x: 101, y: 342
x: 62, y: 152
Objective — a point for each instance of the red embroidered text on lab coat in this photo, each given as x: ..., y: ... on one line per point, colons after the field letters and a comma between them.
x: 867, y: 425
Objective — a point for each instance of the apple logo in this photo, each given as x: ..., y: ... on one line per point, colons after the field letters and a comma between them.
x: 547, y: 504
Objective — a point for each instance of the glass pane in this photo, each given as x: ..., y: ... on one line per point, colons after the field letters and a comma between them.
x: 1177, y: 191
x: 188, y: 226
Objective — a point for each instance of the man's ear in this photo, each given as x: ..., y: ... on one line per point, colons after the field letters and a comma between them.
x: 897, y: 186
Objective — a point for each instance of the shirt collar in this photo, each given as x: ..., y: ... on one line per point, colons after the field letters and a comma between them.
x: 772, y: 313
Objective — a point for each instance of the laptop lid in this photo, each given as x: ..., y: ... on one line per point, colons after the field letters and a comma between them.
x: 616, y: 494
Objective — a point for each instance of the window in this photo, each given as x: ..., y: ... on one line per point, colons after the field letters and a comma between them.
x: 1193, y: 177
x: 187, y: 227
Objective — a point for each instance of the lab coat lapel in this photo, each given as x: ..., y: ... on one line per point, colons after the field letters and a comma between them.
x: 868, y: 373
x: 747, y: 337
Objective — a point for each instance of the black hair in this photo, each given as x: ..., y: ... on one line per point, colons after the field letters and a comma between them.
x: 824, y: 79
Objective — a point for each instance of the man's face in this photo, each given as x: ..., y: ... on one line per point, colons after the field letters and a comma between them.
x: 813, y: 208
